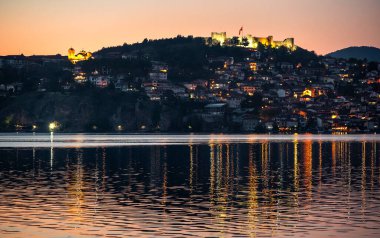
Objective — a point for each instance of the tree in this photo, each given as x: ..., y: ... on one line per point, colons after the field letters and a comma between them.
x: 245, y: 41
x: 235, y: 41
x: 156, y: 114
x: 2, y: 78
x: 372, y: 66
x: 254, y: 101
x: 10, y: 75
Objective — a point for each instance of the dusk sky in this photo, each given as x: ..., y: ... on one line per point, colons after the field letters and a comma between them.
x: 50, y: 27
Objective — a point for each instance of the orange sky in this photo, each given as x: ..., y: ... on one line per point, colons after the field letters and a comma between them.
x: 52, y: 26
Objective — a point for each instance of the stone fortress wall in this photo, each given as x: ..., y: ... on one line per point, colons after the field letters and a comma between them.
x: 250, y: 41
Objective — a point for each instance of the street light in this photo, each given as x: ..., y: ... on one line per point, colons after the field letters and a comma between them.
x: 53, y: 126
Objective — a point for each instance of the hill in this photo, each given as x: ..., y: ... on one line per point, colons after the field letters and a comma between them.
x: 362, y: 52
x: 188, y: 57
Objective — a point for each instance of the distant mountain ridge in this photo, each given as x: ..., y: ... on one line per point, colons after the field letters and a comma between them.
x: 358, y: 52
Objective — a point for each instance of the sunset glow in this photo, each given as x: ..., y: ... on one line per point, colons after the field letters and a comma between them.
x: 50, y: 27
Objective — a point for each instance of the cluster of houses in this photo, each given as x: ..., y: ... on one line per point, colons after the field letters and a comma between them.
x: 292, y: 97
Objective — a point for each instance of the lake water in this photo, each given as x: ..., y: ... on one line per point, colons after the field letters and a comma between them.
x: 81, y: 185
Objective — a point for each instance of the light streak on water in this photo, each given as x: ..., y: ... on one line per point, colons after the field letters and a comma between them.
x: 29, y: 140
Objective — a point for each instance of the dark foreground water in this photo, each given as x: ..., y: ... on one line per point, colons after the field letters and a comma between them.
x: 179, y: 186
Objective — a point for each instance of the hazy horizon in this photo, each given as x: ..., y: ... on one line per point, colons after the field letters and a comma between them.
x: 42, y: 27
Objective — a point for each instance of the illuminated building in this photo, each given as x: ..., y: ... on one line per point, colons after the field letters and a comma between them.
x: 307, y: 95
x: 81, y: 56
x: 248, y: 89
x: 338, y: 128
x: 250, y: 41
x: 253, y: 66
x: 308, y: 92
x: 219, y: 38
x: 80, y: 78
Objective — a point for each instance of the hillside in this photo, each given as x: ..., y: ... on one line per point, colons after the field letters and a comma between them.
x: 183, y: 84
x: 187, y: 57
x: 363, y: 52
x: 92, y: 111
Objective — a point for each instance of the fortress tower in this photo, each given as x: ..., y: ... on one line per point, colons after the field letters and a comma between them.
x: 71, y: 53
x: 219, y: 37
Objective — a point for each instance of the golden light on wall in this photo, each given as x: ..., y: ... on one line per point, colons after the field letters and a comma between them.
x: 81, y: 56
x: 219, y: 37
x: 252, y: 41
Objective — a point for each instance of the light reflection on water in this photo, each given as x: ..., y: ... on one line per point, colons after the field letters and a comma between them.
x: 106, y: 140
x: 299, y: 186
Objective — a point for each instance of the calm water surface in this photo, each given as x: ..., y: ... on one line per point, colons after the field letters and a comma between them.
x: 181, y: 186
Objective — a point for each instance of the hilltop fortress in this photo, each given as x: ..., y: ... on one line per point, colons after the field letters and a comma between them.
x: 81, y: 56
x: 249, y: 41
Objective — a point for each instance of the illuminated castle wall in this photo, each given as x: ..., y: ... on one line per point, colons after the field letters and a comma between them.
x: 81, y: 56
x: 253, y: 42
x: 219, y: 37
